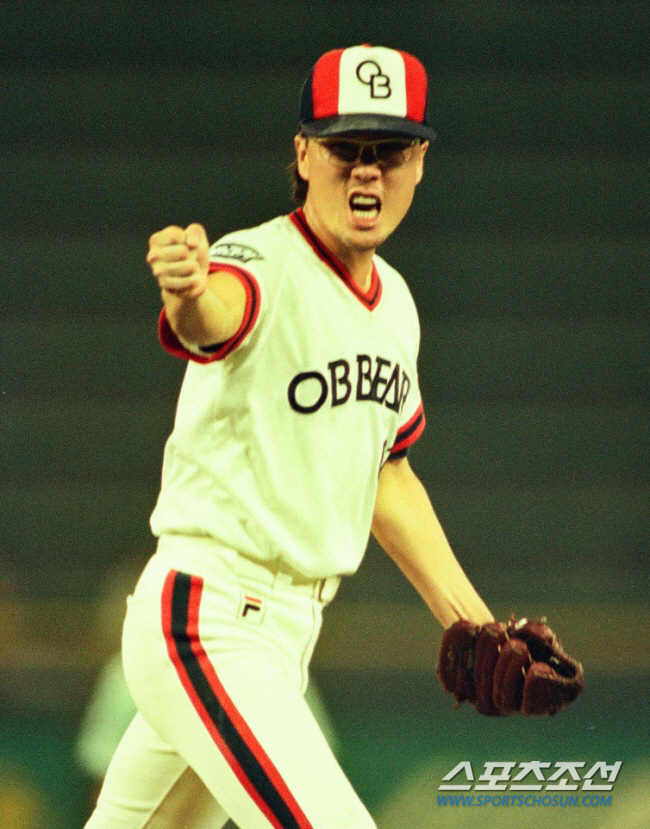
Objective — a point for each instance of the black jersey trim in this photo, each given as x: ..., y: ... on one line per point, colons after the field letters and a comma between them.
x: 255, y: 771
x: 211, y: 353
x: 369, y: 298
x: 221, y: 350
x: 409, y: 433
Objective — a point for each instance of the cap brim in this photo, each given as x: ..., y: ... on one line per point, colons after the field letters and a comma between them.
x: 366, y: 122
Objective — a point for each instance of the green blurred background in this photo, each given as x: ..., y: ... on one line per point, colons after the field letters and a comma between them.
x: 527, y: 252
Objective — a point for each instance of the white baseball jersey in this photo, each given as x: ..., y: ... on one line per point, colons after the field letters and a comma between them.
x: 281, y: 432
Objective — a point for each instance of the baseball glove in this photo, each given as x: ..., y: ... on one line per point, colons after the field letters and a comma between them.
x: 506, y: 668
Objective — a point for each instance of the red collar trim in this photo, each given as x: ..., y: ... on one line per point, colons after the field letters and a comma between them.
x: 369, y: 298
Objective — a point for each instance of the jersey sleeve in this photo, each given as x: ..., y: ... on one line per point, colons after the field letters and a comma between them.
x: 230, y: 257
x: 412, y: 420
x: 408, y: 433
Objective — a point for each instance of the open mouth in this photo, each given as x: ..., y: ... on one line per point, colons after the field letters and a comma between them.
x: 365, y: 207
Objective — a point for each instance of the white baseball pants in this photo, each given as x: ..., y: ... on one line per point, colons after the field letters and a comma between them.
x: 216, y: 650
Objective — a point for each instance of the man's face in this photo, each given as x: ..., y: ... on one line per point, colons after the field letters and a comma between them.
x: 355, y: 206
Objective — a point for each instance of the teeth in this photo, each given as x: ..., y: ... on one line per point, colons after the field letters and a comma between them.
x: 365, y: 206
x: 371, y: 200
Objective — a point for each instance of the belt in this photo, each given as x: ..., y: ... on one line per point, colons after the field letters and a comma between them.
x: 274, y: 573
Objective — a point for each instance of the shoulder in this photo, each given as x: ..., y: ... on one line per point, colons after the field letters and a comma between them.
x: 255, y: 247
x: 396, y: 290
x: 393, y: 280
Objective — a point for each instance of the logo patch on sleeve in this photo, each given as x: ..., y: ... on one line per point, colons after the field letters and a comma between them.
x: 251, y: 609
x: 232, y: 250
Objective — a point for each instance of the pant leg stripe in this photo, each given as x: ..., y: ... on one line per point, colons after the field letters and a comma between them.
x: 231, y: 734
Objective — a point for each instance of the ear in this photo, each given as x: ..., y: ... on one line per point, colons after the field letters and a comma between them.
x: 419, y: 173
x: 302, y: 161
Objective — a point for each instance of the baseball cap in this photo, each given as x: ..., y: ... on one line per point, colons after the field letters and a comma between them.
x: 369, y: 88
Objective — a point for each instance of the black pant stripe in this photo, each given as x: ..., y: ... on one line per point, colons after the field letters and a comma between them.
x: 214, y: 703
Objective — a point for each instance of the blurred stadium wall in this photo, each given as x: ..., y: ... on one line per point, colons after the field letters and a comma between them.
x: 526, y: 250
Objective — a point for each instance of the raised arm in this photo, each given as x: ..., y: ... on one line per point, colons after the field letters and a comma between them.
x: 202, y: 308
x: 407, y: 528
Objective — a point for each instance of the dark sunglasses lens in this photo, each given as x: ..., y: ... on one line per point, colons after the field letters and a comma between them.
x: 386, y: 153
x: 347, y: 151
x: 392, y: 152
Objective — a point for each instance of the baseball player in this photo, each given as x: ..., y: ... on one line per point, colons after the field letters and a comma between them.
x: 298, y: 407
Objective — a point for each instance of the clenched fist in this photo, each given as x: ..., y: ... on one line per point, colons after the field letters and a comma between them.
x: 178, y: 259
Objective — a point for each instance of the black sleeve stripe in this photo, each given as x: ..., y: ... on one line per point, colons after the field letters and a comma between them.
x: 220, y: 350
x: 410, y: 432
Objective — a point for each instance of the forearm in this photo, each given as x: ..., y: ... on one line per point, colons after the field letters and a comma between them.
x: 202, y: 320
x: 407, y: 528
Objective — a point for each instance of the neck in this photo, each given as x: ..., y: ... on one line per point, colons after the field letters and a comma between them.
x: 359, y: 264
x: 357, y: 260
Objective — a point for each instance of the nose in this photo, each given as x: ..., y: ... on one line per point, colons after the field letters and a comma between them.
x: 366, y: 168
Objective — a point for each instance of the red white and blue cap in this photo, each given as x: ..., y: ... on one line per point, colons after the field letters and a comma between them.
x: 366, y: 88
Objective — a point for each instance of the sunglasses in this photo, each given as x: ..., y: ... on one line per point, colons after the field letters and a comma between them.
x: 387, y: 153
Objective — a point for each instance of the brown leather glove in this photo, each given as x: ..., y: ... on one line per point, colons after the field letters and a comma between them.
x: 506, y: 668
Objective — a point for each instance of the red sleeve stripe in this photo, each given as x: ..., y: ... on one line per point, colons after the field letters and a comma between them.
x: 251, y: 310
x: 410, y: 432
x: 232, y: 736
x: 171, y: 343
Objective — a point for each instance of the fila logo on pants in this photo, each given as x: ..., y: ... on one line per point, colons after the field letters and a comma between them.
x: 251, y: 609
x: 233, y: 738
